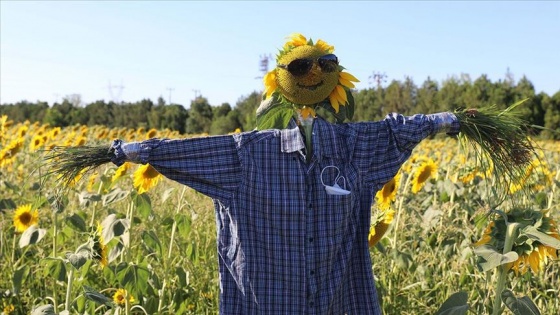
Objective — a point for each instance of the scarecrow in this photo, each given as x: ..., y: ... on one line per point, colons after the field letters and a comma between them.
x: 293, y: 197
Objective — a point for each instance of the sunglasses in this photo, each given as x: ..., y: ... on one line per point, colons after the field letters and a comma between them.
x: 301, y: 67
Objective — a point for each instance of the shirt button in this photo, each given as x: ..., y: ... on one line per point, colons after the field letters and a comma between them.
x: 312, y: 272
x: 310, y: 205
x: 311, y: 240
x: 311, y: 303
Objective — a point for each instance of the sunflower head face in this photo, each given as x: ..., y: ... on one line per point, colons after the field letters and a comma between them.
x: 307, y: 77
x: 311, y: 87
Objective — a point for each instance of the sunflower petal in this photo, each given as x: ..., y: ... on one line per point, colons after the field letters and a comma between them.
x: 348, y: 76
x: 346, y: 83
x: 342, y: 93
x: 334, y: 101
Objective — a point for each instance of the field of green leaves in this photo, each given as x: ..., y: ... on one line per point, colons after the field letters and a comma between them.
x: 128, y: 241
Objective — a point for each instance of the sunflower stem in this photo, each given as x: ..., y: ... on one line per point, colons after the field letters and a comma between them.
x: 174, y: 227
x: 55, y: 233
x: 511, y: 234
x: 69, y: 288
x: 399, y: 208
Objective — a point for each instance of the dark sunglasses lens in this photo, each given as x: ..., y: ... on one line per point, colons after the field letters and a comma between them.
x: 300, y: 67
x: 328, y: 63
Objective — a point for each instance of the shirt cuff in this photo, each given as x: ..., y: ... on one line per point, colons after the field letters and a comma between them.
x: 125, y: 152
x: 445, y: 122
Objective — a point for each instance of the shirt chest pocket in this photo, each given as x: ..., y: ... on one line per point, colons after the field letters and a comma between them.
x: 337, y: 208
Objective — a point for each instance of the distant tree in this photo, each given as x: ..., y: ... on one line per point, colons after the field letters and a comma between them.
x: 478, y: 93
x: 160, y: 101
x: 368, y: 104
x: 427, y: 97
x: 225, y: 124
x: 532, y: 109
x: 100, y: 113
x: 200, y: 116
x: 174, y: 117
x: 450, y: 96
x: 221, y: 111
x: 551, y: 119
x: 246, y: 107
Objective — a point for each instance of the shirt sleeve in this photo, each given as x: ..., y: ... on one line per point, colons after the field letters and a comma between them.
x: 388, y: 144
x: 209, y: 165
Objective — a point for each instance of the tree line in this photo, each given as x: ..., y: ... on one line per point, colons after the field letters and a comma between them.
x: 402, y: 96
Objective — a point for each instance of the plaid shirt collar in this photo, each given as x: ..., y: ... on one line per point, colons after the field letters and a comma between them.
x: 326, y: 144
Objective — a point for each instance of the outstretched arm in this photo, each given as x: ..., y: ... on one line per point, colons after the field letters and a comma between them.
x: 208, y: 164
x: 388, y: 144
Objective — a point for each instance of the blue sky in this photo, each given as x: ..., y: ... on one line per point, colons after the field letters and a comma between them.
x: 52, y: 49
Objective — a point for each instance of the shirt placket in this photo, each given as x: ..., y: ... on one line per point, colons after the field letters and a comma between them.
x: 310, y: 252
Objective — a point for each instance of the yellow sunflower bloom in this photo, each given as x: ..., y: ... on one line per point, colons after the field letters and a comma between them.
x: 145, y: 178
x: 152, y: 133
x: 378, y: 229
x: 121, y: 171
x: 321, y: 44
x: 424, y: 172
x: 99, y: 246
x: 80, y: 141
x: 532, y: 253
x: 388, y: 193
x: 24, y: 217
x: 121, y: 296
x: 36, y: 143
x: 22, y: 131
x: 270, y: 83
x: 295, y: 40
x: 8, y: 309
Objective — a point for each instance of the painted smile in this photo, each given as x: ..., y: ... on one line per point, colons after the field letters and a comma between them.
x: 310, y: 87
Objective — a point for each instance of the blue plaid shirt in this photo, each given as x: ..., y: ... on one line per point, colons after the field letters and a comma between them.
x: 286, y: 246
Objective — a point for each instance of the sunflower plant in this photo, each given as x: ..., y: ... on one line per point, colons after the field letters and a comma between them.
x: 517, y: 241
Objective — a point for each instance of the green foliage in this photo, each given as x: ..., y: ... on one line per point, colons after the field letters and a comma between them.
x: 519, y: 306
x: 370, y: 104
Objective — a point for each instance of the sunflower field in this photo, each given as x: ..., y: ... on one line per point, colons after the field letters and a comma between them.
x: 128, y: 241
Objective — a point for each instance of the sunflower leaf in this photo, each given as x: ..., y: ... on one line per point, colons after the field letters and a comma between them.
x: 492, y: 259
x: 19, y: 277
x: 152, y: 243
x: 143, y: 204
x: 115, y: 251
x: 76, y: 222
x: 58, y: 203
x: 79, y: 258
x: 55, y: 269
x: 32, y: 235
x: 275, y: 117
x: 96, y: 297
x: 44, y: 310
x: 113, y: 196
x: 113, y: 227
x: 519, y: 306
x: 87, y: 198
x: 532, y: 232
x: 456, y: 304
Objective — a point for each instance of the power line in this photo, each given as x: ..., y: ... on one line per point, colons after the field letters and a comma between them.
x: 263, y: 65
x: 116, y: 98
x: 378, y: 78
x: 170, y: 90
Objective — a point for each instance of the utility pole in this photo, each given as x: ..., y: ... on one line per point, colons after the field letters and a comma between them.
x: 196, y: 93
x: 115, y: 98
x: 378, y: 78
x: 263, y: 65
x: 170, y: 90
